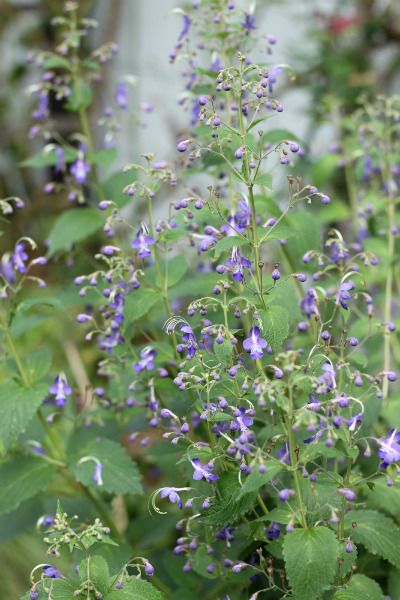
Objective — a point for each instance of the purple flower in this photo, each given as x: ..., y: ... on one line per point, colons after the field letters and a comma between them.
x: 286, y: 494
x: 172, y: 494
x: 241, y: 421
x: 342, y: 297
x: 52, y: 572
x: 326, y: 381
x: 142, y: 242
x: 60, y: 159
x: 202, y: 471
x: 80, y: 169
x: 273, y: 531
x: 238, y: 263
x: 60, y: 389
x: 254, y: 344
x: 189, y: 339
x: 187, y: 22
x: 389, y: 450
x: 348, y: 494
x: 7, y: 268
x: 34, y: 594
x: 121, y: 96
x: 309, y: 304
x: 249, y: 22
x: 148, y: 568
x: 97, y: 473
x: 19, y: 257
x: 226, y: 534
x: 43, y: 106
x: 146, y: 361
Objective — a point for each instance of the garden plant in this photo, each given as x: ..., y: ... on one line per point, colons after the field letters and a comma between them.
x: 198, y: 395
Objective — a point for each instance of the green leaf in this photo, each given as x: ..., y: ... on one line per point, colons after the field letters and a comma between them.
x: 25, y: 305
x: 384, y: 498
x: 136, y: 589
x: 346, y: 560
x: 227, y: 507
x: 279, y: 135
x: 95, y: 569
x: 73, y: 226
x: 56, y: 62
x: 223, y: 352
x: 18, y: 406
x: 139, y: 302
x: 323, y: 169
x: 104, y: 157
x: 275, y: 326
x: 256, y: 480
x: 81, y: 96
x: 360, y: 588
x: 264, y: 179
x: 306, y: 234
x: 174, y: 269
x: 120, y: 474
x: 21, y: 478
x: 379, y: 534
x: 227, y: 243
x: 114, y: 185
x: 311, y: 560
x: 37, y: 365
x: 285, y: 295
x: 61, y: 589
x: 201, y: 560
x: 48, y: 158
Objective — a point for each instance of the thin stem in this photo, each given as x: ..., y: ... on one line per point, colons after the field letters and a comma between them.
x: 294, y: 461
x: 162, y: 281
x: 249, y: 183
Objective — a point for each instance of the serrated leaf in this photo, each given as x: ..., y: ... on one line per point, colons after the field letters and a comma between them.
x: 346, y: 559
x: 37, y: 365
x: 384, y: 498
x: 256, y: 480
x: 21, y: 478
x: 18, y: 406
x: 61, y: 589
x: 139, y: 302
x: 136, y: 589
x: 223, y: 352
x: 379, y: 534
x: 120, y: 474
x: 275, y: 326
x: 360, y: 588
x: 311, y: 559
x: 95, y: 569
x: 226, y: 507
x: 73, y: 226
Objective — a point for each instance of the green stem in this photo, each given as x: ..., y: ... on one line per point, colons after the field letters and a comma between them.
x: 162, y: 281
x: 255, y: 241
x: 388, y: 292
x: 293, y: 461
